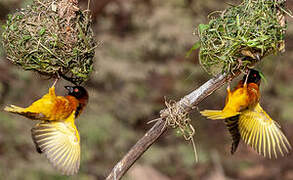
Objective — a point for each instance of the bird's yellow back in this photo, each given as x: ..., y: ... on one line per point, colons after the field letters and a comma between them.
x: 50, y: 107
x: 236, y: 100
x: 56, y: 135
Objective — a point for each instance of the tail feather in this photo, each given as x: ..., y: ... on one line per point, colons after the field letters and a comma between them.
x: 232, y: 125
x: 14, y: 109
x: 24, y: 112
x: 217, y: 114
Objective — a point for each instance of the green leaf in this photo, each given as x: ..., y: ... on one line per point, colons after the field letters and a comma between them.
x: 194, y: 47
x: 238, y: 21
x: 9, y: 17
x: 13, y: 27
x: 263, y: 77
x: 42, y: 31
x: 18, y: 17
x: 4, y: 27
x: 26, y: 37
x: 202, y: 27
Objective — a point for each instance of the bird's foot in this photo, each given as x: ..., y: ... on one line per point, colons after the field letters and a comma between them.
x: 247, y: 71
x: 55, y: 82
x: 229, y: 87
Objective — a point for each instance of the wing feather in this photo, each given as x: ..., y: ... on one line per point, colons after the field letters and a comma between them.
x: 262, y: 133
x: 60, y: 143
x: 257, y: 138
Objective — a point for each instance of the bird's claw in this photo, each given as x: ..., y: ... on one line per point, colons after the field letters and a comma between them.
x: 247, y: 71
x: 229, y: 86
x: 55, y: 82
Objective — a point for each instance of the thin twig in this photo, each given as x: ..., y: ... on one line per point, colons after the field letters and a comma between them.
x: 187, y: 103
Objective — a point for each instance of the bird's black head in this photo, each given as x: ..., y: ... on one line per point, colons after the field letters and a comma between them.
x: 78, y: 92
x: 253, y: 77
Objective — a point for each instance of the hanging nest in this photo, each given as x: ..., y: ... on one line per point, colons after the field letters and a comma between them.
x: 52, y: 37
x: 238, y: 36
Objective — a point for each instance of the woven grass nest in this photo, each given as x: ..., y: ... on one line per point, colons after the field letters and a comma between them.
x: 236, y: 37
x: 52, y: 37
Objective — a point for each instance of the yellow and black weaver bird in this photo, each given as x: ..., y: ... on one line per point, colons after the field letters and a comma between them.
x: 245, y: 119
x: 56, y: 135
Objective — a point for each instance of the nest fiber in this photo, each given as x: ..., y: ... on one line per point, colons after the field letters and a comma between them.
x: 53, y: 38
x: 236, y: 36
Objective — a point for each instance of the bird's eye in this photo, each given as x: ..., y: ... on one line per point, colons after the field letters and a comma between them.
x: 76, y: 90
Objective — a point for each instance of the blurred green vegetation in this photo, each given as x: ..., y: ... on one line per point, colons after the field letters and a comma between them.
x: 141, y: 60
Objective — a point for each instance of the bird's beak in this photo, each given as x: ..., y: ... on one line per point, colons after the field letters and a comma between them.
x: 69, y: 89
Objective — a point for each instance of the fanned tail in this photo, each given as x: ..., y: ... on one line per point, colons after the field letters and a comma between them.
x: 217, y: 114
x: 262, y: 133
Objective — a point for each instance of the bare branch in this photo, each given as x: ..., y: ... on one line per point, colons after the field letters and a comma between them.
x: 188, y: 102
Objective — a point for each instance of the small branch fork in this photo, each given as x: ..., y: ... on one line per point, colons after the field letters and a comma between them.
x: 187, y: 103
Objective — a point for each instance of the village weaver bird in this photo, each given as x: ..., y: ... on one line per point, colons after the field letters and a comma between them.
x: 245, y: 119
x: 56, y: 134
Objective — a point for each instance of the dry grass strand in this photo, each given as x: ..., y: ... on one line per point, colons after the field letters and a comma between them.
x: 178, y: 118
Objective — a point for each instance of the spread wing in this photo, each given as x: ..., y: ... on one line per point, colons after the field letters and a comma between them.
x: 60, y: 142
x: 263, y: 134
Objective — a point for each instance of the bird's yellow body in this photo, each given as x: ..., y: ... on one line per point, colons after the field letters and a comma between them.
x: 56, y: 135
x: 246, y: 120
x: 50, y: 107
x: 242, y: 97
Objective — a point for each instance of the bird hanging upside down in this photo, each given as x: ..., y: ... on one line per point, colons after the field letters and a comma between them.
x: 56, y: 135
x: 245, y: 118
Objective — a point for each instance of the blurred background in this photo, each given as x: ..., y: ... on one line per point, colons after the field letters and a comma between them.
x: 140, y: 60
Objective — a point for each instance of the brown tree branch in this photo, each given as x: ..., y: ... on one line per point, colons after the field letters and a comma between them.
x: 187, y: 103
